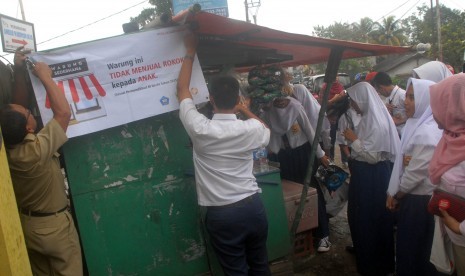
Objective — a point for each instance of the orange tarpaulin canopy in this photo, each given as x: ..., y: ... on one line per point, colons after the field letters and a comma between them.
x: 229, y: 41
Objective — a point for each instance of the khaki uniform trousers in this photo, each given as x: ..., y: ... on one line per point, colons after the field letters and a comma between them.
x: 53, y: 245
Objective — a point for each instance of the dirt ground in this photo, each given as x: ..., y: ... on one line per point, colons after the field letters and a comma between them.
x: 337, y: 261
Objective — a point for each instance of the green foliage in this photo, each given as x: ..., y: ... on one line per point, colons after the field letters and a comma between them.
x: 389, y: 32
x: 147, y: 15
x: 419, y: 27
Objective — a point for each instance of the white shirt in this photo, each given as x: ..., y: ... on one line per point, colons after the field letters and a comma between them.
x: 350, y: 119
x: 293, y: 122
x: 222, y: 154
x: 312, y: 108
x: 377, y: 135
x: 453, y: 181
x: 397, y: 98
x: 415, y: 179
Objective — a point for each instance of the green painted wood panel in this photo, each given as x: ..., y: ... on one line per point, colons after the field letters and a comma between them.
x: 136, y: 209
x: 278, y: 243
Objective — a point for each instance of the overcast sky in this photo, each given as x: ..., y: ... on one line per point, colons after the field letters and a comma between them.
x: 55, y: 18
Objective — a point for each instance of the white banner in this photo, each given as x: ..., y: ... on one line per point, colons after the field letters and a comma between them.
x: 118, y: 80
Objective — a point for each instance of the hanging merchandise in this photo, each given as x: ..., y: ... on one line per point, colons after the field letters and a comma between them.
x: 266, y: 84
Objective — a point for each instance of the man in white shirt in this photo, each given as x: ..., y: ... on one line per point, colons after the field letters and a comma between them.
x: 235, y: 220
x: 394, y: 98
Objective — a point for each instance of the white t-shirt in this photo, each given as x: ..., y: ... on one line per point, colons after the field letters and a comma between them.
x: 397, y: 98
x: 453, y: 181
x: 222, y: 154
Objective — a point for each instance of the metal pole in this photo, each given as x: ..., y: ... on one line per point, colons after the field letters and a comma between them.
x: 246, y: 11
x: 22, y: 9
x: 330, y: 75
x: 438, y: 20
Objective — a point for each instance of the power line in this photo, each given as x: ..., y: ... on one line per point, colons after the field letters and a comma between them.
x: 7, y: 54
x: 414, y: 5
x: 87, y: 25
x: 393, y: 10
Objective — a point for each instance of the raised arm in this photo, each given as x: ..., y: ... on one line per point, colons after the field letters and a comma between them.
x: 20, y: 91
x: 185, y: 74
x: 58, y: 103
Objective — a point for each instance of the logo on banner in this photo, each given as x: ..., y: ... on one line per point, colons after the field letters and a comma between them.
x: 164, y: 100
x: 80, y: 85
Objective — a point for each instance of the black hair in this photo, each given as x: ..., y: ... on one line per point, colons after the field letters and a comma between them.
x: 225, y: 91
x: 381, y: 78
x: 339, y: 107
x: 13, y: 124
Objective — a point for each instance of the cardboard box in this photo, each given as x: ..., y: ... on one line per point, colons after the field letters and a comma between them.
x: 292, y: 192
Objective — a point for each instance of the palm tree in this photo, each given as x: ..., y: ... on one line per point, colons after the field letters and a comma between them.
x: 362, y: 29
x: 388, y: 33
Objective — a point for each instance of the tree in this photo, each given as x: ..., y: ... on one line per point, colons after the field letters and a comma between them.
x: 453, y: 42
x: 337, y: 31
x: 147, y: 15
x: 361, y: 30
x: 389, y: 32
x: 421, y: 27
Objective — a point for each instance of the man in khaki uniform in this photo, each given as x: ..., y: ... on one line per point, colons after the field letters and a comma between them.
x: 51, y: 237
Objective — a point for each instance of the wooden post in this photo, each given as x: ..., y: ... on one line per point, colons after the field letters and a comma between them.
x: 13, y: 255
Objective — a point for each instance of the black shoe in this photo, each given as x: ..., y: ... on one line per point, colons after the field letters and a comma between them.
x: 350, y: 249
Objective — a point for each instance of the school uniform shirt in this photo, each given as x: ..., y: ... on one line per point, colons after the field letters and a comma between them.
x: 35, y: 170
x: 447, y: 167
x: 453, y: 181
x: 350, y: 119
x: 397, y: 98
x: 222, y: 154
x: 377, y: 135
x: 312, y: 109
x: 419, y: 139
x: 293, y: 122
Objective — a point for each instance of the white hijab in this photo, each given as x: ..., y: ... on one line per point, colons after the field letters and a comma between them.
x: 434, y: 71
x: 421, y: 129
x: 311, y: 105
x: 376, y: 128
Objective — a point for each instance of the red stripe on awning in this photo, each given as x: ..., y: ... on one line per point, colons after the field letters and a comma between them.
x: 72, y: 88
x: 83, y: 87
x: 97, y: 85
x: 47, y: 100
x: 86, y: 89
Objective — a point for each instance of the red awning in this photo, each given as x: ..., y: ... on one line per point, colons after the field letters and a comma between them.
x: 233, y: 41
x: 88, y: 87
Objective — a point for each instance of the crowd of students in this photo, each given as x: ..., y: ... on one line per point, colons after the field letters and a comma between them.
x: 394, y: 173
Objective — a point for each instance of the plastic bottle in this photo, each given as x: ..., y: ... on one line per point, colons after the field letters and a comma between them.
x: 260, y: 160
x: 263, y: 160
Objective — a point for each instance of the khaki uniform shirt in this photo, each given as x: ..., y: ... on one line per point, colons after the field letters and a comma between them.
x: 35, y: 170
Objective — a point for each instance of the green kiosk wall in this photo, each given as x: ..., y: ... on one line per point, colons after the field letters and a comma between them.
x: 136, y: 207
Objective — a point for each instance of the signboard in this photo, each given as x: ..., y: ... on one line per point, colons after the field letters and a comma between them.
x: 16, y: 33
x: 218, y: 7
x: 118, y: 80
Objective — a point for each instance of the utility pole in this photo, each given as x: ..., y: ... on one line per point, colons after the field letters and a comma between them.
x: 252, y: 4
x: 246, y: 11
x: 438, y: 20
x: 22, y: 9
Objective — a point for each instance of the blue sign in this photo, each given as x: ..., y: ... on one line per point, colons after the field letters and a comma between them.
x: 218, y: 7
